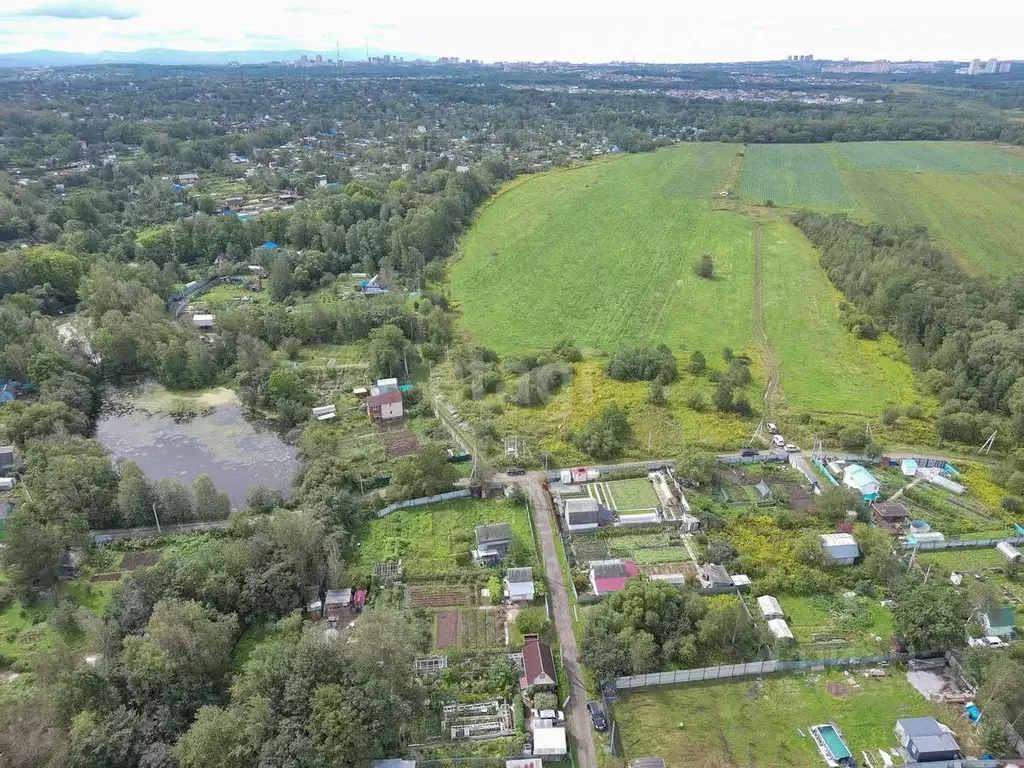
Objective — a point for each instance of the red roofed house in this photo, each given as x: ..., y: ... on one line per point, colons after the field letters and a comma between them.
x: 609, y: 576
x: 385, y: 406
x: 538, y: 663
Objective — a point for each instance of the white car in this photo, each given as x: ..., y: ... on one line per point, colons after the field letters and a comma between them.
x: 987, y: 642
x: 792, y: 448
x: 770, y: 426
x: 779, y: 441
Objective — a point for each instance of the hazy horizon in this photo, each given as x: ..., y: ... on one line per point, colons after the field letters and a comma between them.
x: 656, y: 31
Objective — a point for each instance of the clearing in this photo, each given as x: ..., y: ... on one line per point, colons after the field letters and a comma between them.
x: 604, y: 254
x: 754, y: 723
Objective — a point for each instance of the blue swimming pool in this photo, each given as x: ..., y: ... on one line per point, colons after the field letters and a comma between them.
x: 834, y: 742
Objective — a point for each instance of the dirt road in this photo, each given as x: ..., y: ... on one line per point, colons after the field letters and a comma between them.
x: 561, y: 608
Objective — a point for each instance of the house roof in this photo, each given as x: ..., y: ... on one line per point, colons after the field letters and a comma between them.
x: 919, y: 726
x: 890, y: 509
x: 716, y: 574
x: 583, y: 517
x: 587, y: 504
x: 519, y: 575
x: 840, y: 545
x: 932, y: 743
x: 538, y: 663
x: 549, y: 741
x: 335, y: 596
x: 493, y: 533
x: 384, y: 398
x: 856, y: 474
x: 608, y: 569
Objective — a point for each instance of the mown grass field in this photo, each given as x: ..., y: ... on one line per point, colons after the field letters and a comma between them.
x: 637, y: 493
x: 432, y: 540
x: 745, y: 723
x: 793, y: 175
x: 604, y: 254
x: 822, y: 366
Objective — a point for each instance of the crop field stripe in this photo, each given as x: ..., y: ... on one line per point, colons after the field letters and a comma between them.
x: 822, y: 366
x: 798, y: 175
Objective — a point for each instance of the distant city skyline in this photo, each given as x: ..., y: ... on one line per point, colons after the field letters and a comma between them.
x: 532, y: 30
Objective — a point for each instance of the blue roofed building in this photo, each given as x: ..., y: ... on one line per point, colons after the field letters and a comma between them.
x: 862, y: 481
x: 270, y: 246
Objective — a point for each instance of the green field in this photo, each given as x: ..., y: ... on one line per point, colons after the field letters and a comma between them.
x: 434, y: 540
x: 604, y: 254
x: 962, y: 559
x: 822, y: 366
x: 854, y: 620
x: 632, y: 494
x: 750, y: 723
x: 968, y: 194
x: 793, y: 175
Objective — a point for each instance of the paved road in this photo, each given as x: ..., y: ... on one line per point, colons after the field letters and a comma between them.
x: 561, y: 608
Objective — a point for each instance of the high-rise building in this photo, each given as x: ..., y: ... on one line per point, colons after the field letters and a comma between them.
x: 319, y: 60
x: 1004, y: 67
x: 975, y: 67
x: 991, y: 67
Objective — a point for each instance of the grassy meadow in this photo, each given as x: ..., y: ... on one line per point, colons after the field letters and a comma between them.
x: 793, y: 175
x: 822, y: 366
x: 604, y: 254
x: 751, y: 723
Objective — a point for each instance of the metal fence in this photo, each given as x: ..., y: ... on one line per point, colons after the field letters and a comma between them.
x: 753, y: 668
x: 760, y: 458
x: 962, y: 543
x: 423, y: 501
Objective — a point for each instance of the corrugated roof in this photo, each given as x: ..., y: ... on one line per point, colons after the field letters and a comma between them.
x: 609, y: 569
x: 587, y: 504
x: 493, y: 532
x: 583, y: 517
x: 538, y: 663
x: 919, y: 726
x: 384, y: 398
x: 519, y: 575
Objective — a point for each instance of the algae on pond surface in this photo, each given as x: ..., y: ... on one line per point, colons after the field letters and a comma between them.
x: 179, y: 436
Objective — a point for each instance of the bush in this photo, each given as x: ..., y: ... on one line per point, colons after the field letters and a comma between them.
x: 891, y: 415
x: 1012, y: 504
x: 532, y: 621
x: 657, y: 394
x: 605, y: 436
x: 915, y: 412
x: 545, y: 700
x: 643, y: 364
x: 696, y: 402
x: 705, y: 267
x: 698, y: 364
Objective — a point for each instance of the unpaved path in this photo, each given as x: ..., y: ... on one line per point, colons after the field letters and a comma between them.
x: 770, y: 359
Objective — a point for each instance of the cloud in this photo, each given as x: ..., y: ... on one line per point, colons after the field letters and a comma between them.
x: 72, y: 10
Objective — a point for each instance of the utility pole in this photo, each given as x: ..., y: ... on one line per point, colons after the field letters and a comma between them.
x: 156, y: 517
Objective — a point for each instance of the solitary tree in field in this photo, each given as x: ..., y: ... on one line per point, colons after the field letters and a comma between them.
x: 705, y: 268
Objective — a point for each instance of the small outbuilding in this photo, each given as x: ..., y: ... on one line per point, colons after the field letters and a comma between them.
x: 862, y: 481
x: 202, y: 322
x: 325, y: 412
x: 889, y: 514
x: 519, y: 586
x: 581, y: 514
x: 7, y: 457
x: 550, y: 742
x: 492, y: 543
x: 908, y: 467
x: 336, y: 603
x: 999, y: 622
x: 688, y: 523
x: 610, y: 576
x: 927, y: 740
x: 770, y: 607
x: 840, y: 548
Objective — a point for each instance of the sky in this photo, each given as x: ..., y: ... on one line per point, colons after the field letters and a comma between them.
x: 531, y: 30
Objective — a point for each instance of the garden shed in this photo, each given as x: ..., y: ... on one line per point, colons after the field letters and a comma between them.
x: 582, y: 514
x: 519, y: 585
x: 492, y: 542
x: 999, y: 622
x: 840, y: 548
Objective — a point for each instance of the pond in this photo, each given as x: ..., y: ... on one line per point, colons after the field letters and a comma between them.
x: 216, y: 440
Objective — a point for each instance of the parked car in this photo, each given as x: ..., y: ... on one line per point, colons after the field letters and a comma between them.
x: 748, y: 452
x: 987, y: 642
x: 778, y: 441
x: 770, y: 426
x: 597, y: 717
x: 792, y: 448
x: 515, y: 471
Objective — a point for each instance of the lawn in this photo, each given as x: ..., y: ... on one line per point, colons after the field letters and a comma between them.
x: 961, y: 559
x: 822, y: 366
x: 750, y: 723
x: 434, y: 540
x: 604, y: 254
x: 853, y: 621
x: 793, y: 175
x: 634, y: 494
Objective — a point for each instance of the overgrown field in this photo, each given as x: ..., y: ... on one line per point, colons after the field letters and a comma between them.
x: 754, y: 723
x: 434, y: 540
x: 826, y: 626
x: 605, y: 253
x: 822, y: 366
